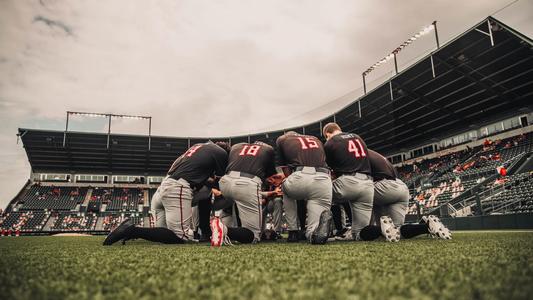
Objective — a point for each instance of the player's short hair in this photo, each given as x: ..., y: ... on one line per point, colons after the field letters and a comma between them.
x: 292, y: 132
x: 223, y: 145
x: 330, y: 128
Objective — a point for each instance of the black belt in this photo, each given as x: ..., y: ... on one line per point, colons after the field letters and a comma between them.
x: 376, y: 179
x: 351, y: 174
x: 194, y: 186
x: 355, y: 174
x: 317, y: 169
x: 247, y: 175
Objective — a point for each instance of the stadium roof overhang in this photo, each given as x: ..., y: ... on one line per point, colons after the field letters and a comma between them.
x: 475, y: 78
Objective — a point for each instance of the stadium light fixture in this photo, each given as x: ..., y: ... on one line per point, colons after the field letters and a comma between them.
x: 109, y: 117
x: 394, y: 53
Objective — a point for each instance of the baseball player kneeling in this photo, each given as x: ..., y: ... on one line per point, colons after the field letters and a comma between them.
x: 249, y: 165
x: 172, y: 201
x: 347, y: 155
x: 309, y: 181
x: 391, y: 198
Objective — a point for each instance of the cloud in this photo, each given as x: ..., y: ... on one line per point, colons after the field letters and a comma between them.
x: 53, y: 24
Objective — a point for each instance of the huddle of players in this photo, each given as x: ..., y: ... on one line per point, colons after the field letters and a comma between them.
x: 342, y: 172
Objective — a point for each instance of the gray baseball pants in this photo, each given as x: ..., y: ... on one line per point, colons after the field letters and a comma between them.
x: 311, y: 186
x: 275, y: 208
x: 358, y: 191
x: 172, y: 206
x: 391, y: 198
x: 195, y: 218
x: 246, y: 192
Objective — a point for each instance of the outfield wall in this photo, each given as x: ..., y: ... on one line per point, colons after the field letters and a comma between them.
x: 510, y: 221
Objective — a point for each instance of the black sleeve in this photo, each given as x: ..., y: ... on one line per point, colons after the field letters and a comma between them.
x: 280, y: 159
x: 271, y: 167
x: 329, y: 152
x: 221, y: 162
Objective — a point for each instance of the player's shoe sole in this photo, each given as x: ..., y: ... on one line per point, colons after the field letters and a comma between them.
x: 321, y: 233
x: 122, y: 232
x: 390, y: 232
x: 437, y: 229
x: 344, y: 235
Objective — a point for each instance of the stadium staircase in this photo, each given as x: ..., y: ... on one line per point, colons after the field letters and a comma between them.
x: 48, y: 225
x: 99, y: 224
x: 87, y: 198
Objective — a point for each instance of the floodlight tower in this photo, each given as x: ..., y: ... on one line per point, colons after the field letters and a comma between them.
x: 109, y: 117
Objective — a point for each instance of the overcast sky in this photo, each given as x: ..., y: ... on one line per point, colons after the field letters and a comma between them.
x: 204, y: 68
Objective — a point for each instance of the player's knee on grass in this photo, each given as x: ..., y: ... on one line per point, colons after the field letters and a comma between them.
x: 411, y: 230
x: 157, y: 234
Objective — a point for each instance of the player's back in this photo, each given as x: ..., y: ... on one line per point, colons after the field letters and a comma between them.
x: 347, y: 153
x: 301, y: 150
x: 199, y: 162
x: 381, y: 167
x: 257, y: 159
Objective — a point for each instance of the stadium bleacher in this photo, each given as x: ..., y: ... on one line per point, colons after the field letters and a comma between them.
x: 111, y: 221
x: 125, y: 199
x: 29, y: 221
x: 515, y: 194
x: 67, y: 221
x: 52, y: 198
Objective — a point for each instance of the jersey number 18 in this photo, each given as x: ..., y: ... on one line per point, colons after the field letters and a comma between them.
x: 249, y: 150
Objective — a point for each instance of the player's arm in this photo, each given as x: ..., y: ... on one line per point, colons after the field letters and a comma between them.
x: 221, y: 162
x: 328, y: 150
x: 274, y: 193
x: 271, y: 163
x: 279, y: 157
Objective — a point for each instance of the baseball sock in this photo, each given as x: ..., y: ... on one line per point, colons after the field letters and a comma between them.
x: 336, y: 212
x: 204, y: 214
x: 301, y: 207
x: 241, y: 235
x: 411, y: 230
x: 157, y: 234
x: 347, y: 210
x: 370, y: 233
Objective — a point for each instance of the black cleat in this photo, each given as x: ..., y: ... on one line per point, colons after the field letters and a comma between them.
x: 293, y: 236
x: 320, y: 235
x: 122, y: 232
x: 204, y: 238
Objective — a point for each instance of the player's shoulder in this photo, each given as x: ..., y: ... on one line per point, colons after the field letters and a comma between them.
x: 375, y: 155
x: 311, y: 137
x: 238, y: 145
x: 266, y: 146
x: 348, y: 135
x: 212, y: 147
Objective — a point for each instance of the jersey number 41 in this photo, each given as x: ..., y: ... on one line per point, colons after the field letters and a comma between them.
x: 356, y: 147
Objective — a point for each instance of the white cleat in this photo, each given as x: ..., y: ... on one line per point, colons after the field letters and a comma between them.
x: 346, y: 235
x: 437, y: 229
x: 388, y: 230
x: 219, y: 231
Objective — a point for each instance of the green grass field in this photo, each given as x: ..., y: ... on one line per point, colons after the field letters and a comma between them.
x: 482, y: 265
